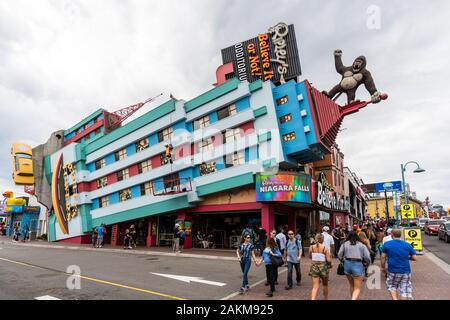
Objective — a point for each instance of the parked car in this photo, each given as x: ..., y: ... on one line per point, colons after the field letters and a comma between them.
x: 446, y: 218
x: 444, y: 232
x: 432, y: 226
x: 422, y: 222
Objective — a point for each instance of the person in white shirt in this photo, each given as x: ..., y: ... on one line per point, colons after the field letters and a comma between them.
x: 282, y: 238
x: 328, y: 240
x: 388, y: 237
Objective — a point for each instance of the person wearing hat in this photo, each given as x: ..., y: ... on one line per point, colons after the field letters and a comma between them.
x: 328, y: 240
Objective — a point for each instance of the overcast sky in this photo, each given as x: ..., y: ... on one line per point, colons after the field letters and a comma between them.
x: 61, y: 60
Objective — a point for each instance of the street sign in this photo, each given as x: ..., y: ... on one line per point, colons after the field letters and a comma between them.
x: 414, y: 237
x: 407, y: 211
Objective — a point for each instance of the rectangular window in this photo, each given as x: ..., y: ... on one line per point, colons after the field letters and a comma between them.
x: 146, y: 189
x: 103, y: 202
x: 207, y: 168
x: 123, y: 174
x: 120, y: 155
x: 226, y: 112
x: 232, y: 135
x: 98, y: 131
x: 145, y: 166
x: 285, y: 118
x: 201, y: 123
x: 234, y: 159
x: 142, y: 145
x: 87, y: 137
x: 282, y: 100
x: 124, y: 195
x: 99, y: 164
x: 289, y: 137
x: 165, y: 134
x: 205, y: 145
x: 102, y: 182
x: 171, y: 181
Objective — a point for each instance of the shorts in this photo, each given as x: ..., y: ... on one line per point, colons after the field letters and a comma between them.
x: 100, y: 238
x: 354, y: 268
x: 320, y: 270
x: 400, y: 282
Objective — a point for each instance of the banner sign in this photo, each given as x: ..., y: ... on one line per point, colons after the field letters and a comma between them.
x: 269, y: 56
x: 283, y: 187
x: 327, y: 198
x: 383, y: 186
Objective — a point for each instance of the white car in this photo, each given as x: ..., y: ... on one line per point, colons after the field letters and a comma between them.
x: 422, y: 222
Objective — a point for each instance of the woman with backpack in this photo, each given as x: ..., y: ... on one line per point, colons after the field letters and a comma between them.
x: 353, y: 254
x: 245, y: 254
x: 320, y: 266
x: 272, y: 259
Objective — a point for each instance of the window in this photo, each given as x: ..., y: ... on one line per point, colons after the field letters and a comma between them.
x: 165, y: 134
x: 142, y: 145
x: 87, y: 137
x: 232, y: 135
x: 123, y: 174
x: 207, y: 168
x: 145, y: 166
x: 99, y: 164
x: 146, y: 189
x: 103, y: 202
x: 120, y: 155
x: 98, y: 131
x: 285, y: 118
x: 282, y: 100
x: 234, y: 159
x: 124, y: 195
x: 205, y: 145
x: 226, y: 112
x: 171, y: 181
x: 201, y: 123
x: 289, y: 137
x: 102, y: 182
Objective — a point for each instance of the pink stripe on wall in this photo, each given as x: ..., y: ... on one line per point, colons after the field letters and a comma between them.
x: 133, y: 170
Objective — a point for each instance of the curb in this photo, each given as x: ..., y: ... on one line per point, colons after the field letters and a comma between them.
x: 437, y: 261
x: 150, y: 253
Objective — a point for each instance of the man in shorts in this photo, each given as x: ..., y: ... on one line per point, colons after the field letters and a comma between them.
x: 398, y: 254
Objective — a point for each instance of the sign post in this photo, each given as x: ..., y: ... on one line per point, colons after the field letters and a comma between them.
x: 414, y: 237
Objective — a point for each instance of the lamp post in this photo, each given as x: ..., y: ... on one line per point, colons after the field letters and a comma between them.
x: 403, y: 168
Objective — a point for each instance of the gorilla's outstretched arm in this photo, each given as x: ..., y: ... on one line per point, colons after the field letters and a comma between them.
x: 340, y: 68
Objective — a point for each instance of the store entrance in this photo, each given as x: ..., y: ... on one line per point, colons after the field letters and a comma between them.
x: 141, y: 227
x: 281, y: 221
x: 166, y: 225
x: 223, y: 231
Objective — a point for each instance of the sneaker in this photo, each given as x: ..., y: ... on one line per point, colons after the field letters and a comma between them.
x: 266, y: 284
x: 242, y: 290
x: 247, y: 288
x: 269, y: 294
x: 288, y: 287
x: 299, y: 284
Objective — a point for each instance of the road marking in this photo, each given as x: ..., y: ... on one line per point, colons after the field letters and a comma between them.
x: 99, y: 280
x: 46, y: 298
x: 252, y: 286
x: 188, y: 279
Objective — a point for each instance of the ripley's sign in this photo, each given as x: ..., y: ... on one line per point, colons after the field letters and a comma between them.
x: 269, y: 56
x: 329, y: 199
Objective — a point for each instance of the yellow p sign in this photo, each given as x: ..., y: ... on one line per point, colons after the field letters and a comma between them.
x: 413, y: 237
x: 407, y: 211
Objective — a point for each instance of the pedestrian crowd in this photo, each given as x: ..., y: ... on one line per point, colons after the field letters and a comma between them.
x: 355, y: 247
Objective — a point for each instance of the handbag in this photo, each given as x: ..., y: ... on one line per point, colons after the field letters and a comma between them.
x: 277, y: 261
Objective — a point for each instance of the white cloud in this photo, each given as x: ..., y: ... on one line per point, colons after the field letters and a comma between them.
x: 60, y: 60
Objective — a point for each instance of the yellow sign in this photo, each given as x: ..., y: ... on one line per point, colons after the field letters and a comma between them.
x: 413, y: 237
x: 407, y: 211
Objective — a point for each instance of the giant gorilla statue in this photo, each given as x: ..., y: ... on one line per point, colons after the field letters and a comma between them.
x: 352, y: 78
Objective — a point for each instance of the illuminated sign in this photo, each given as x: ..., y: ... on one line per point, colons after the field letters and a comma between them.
x: 283, y: 187
x: 269, y: 56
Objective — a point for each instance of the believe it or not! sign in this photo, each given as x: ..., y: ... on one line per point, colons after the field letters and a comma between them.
x: 283, y: 187
x: 270, y: 56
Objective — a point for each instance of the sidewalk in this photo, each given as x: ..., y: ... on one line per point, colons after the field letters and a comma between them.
x: 429, y: 282
x: 215, y: 254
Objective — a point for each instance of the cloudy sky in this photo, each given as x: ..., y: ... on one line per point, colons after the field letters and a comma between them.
x: 60, y: 60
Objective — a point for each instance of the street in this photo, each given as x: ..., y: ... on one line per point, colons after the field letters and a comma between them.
x: 29, y: 272
x: 438, y: 247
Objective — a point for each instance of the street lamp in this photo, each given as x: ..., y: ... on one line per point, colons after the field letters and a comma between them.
x: 403, y: 168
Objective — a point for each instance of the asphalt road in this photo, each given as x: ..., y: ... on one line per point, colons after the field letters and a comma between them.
x: 30, y: 272
x: 438, y: 247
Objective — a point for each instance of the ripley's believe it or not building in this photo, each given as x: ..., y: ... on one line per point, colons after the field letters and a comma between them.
x: 243, y: 153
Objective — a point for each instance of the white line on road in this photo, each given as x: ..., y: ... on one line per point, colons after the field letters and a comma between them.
x: 188, y: 279
x: 46, y: 298
x: 252, y: 286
